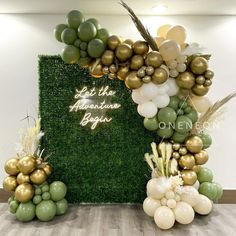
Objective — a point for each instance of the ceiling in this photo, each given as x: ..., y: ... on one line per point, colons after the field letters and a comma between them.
x: 111, y: 7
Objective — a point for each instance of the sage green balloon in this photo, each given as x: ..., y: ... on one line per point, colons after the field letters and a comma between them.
x: 180, y: 112
x: 84, y: 61
x: 58, y: 31
x: 94, y: 22
x: 13, y: 206
x: 151, y: 123
x: 57, y: 190
x: 37, y: 199
x: 46, y: 196
x: 45, y: 188
x: 74, y: 19
x: 77, y: 43
x: 10, y: 199
x: 167, y: 115
x: 192, y: 115
x: 206, y: 139
x: 183, y: 104
x: 174, y: 102
x: 38, y: 191
x: 96, y: 48
x: 187, y: 110
x: 62, y: 206
x: 87, y: 31
x: 209, y: 190
x: 219, y: 191
x: 25, y: 212
x: 46, y: 210
x: 205, y: 175
x: 103, y: 34
x: 83, y: 46
x: 183, y: 124
x: 69, y: 36
x: 70, y: 54
x: 83, y: 54
x: 179, y: 138
x: 166, y: 132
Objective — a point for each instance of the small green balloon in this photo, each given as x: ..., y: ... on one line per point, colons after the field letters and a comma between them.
x: 96, y: 47
x: 46, y: 210
x: 94, y: 22
x: 83, y: 54
x: 193, y: 116
x: 174, y: 102
x: 74, y: 19
x: 206, y: 139
x: 10, y: 199
x: 180, y: 112
x: 183, y: 104
x: 38, y: 191
x: 37, y: 199
x: 219, y: 191
x: 14, y: 205
x: 70, y: 54
x: 25, y: 212
x: 83, y: 46
x: 87, y: 31
x: 46, y: 196
x: 58, y: 31
x: 209, y: 190
x: 166, y: 132
x: 84, y: 61
x: 45, y: 188
x: 183, y: 124
x: 57, y: 190
x: 179, y: 138
x: 62, y: 206
x: 205, y: 175
x: 44, y: 183
x: 151, y: 123
x: 167, y: 115
x: 187, y: 110
x: 103, y: 34
x: 77, y: 43
x: 69, y: 36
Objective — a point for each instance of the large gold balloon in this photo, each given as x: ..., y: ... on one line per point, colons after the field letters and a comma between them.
x: 38, y: 176
x: 201, y: 158
x: 194, y: 144
x: 196, y: 168
x: 108, y: 57
x: 189, y: 177
x: 200, y: 90
x: 9, y: 183
x: 132, y: 81
x: 113, y: 42
x: 199, y: 65
x: 159, y: 76
x: 27, y: 164
x: 140, y: 47
x: 122, y: 72
x: 153, y: 59
x: 21, y: 178
x: 48, y: 169
x: 97, y: 71
x: 137, y: 62
x: 124, y: 52
x: 11, y: 166
x: 187, y: 161
x: 24, y: 192
x: 185, y: 80
x: 129, y: 41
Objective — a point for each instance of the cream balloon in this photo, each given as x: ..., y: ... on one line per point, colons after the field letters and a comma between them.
x: 201, y: 104
x: 171, y: 203
x: 150, y: 205
x: 173, y: 87
x: 164, y: 217
x: 159, y: 40
x: 169, y: 50
x: 177, y: 33
x: 137, y: 97
x: 147, y: 109
x: 184, y: 213
x: 149, y: 91
x: 163, y: 29
x: 204, y: 206
x: 190, y: 195
x: 162, y: 88
x: 161, y: 100
x: 196, y: 185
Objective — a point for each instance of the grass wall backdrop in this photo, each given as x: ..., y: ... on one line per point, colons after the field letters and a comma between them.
x: 101, y: 165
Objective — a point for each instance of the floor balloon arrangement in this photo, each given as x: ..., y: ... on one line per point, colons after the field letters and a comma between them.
x: 32, y: 196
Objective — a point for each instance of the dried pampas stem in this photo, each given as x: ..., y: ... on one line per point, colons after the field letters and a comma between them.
x: 142, y: 30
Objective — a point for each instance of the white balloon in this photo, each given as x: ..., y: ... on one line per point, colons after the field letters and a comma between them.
x: 164, y: 217
x: 171, y: 203
x: 169, y: 50
x: 162, y: 88
x: 149, y: 90
x: 147, y: 109
x: 184, y: 213
x: 163, y: 201
x: 196, y: 185
x: 181, y: 67
x: 170, y: 194
x: 204, y: 206
x: 150, y: 205
x: 137, y: 97
x: 161, y: 100
x: 174, y: 73
x: 173, y: 87
x: 201, y: 104
x: 190, y: 195
x: 172, y: 64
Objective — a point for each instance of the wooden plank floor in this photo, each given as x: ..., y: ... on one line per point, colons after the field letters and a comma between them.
x: 118, y: 220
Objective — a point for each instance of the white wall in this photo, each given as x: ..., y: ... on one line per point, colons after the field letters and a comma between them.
x: 24, y: 37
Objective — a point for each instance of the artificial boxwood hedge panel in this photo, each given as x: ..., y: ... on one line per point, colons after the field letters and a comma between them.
x: 101, y: 165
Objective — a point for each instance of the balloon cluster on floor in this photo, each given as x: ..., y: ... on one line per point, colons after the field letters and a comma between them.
x: 32, y: 196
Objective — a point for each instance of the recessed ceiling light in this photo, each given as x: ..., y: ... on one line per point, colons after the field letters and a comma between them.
x: 161, y: 8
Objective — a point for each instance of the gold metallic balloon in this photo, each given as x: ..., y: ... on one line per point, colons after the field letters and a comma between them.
x: 176, y: 146
x: 105, y: 70
x: 113, y: 68
x: 108, y: 57
x: 140, y: 47
x: 141, y: 73
x: 11, y: 166
x: 97, y: 71
x: 194, y: 144
x: 9, y: 183
x: 21, y: 178
x: 122, y: 72
x: 137, y: 62
x: 27, y: 164
x: 132, y: 81
x: 159, y: 76
x: 124, y: 52
x: 147, y: 79
x: 196, y: 168
x: 24, y: 192
x: 209, y: 74
x: 38, y: 176
x: 111, y: 76
x: 176, y: 155
x: 200, y: 79
x: 199, y: 65
x: 129, y: 41
x: 200, y: 90
x: 187, y: 161
x: 149, y: 70
x: 48, y: 169
x: 201, y: 158
x: 189, y: 177
x: 186, y: 80
x: 153, y: 59
x: 207, y: 83
x: 113, y: 41
x: 183, y: 151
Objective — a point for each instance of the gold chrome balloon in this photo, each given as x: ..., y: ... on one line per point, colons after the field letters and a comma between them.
x: 132, y: 81
x: 199, y: 65
x: 194, y: 144
x: 141, y: 73
x: 97, y: 71
x: 24, y: 192
x: 196, y: 168
x: 201, y: 158
x: 200, y: 90
x: 108, y: 57
x: 48, y: 169
x: 129, y: 41
x: 186, y: 80
x: 187, y: 161
x: 183, y: 151
x: 113, y: 68
x: 159, y: 76
x: 122, y: 72
x: 189, y: 177
x: 176, y: 146
x: 11, y: 166
x: 38, y: 176
x: 147, y: 79
x: 137, y: 62
x: 9, y: 183
x: 124, y: 52
x: 113, y: 41
x: 200, y: 79
x: 27, y: 164
x: 207, y: 83
x: 209, y: 74
x: 153, y: 59
x: 149, y: 70
x: 21, y: 178
x: 176, y: 155
x: 140, y: 47
x: 105, y: 70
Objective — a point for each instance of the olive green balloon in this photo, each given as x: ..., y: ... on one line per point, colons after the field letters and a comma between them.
x: 206, y: 139
x: 183, y: 104
x: 167, y: 115
x: 183, y: 124
x: 83, y: 46
x: 209, y: 190
x: 61, y: 206
x: 179, y: 138
x: 87, y: 31
x: 83, y: 54
x: 46, y: 196
x: 151, y: 123
x: 58, y: 31
x: 103, y: 34
x: 77, y: 43
x: 205, y: 175
x: 94, y: 22
x: 84, y: 61
x: 192, y: 115
x: 74, y: 19
x: 69, y: 36
x: 165, y: 132
x: 57, y: 190
x: 37, y: 199
x: 219, y: 191
x: 38, y: 191
x: 174, y: 102
x: 25, y: 212
x: 70, y: 54
x: 14, y: 205
x: 96, y: 48
x: 187, y: 110
x: 10, y: 199
x: 46, y: 210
